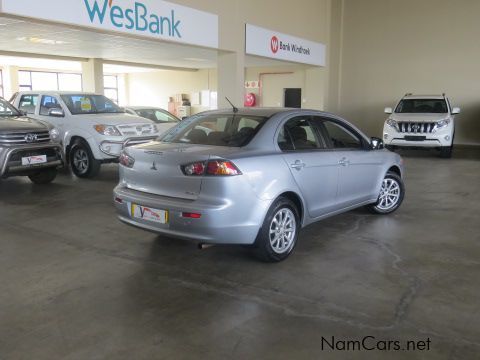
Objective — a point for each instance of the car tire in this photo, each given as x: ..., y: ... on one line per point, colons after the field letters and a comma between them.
x: 391, y: 195
x: 446, y: 152
x: 82, y: 161
x: 279, y: 233
x: 44, y: 176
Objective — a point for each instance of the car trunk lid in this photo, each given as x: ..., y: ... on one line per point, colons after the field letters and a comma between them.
x: 157, y: 168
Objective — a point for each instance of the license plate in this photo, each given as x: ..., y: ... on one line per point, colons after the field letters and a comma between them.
x: 33, y: 160
x: 415, y: 138
x: 149, y: 214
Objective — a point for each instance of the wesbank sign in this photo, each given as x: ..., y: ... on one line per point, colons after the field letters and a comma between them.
x: 137, y: 18
x: 271, y: 44
x: 149, y: 18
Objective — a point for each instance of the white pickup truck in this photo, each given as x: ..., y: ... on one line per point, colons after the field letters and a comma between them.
x: 93, y: 130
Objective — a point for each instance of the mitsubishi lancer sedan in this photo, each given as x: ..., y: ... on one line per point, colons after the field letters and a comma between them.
x: 255, y: 178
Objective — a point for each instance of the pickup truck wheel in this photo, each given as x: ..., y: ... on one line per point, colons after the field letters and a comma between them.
x: 391, y: 195
x: 279, y: 233
x: 44, y: 176
x: 446, y: 152
x: 82, y: 161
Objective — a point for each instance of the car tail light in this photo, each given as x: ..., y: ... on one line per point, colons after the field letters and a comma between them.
x: 126, y: 160
x: 211, y: 168
x: 222, y: 168
x: 195, y: 169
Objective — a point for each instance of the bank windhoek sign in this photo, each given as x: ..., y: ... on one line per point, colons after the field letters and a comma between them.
x: 149, y: 18
x: 275, y: 45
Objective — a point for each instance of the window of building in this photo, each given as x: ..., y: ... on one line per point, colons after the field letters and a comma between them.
x: 111, y: 87
x: 49, y: 81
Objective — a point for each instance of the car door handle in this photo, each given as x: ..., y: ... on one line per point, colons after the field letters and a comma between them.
x: 298, y: 165
x: 344, y: 162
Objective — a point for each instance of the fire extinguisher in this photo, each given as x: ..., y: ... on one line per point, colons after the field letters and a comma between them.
x: 250, y: 100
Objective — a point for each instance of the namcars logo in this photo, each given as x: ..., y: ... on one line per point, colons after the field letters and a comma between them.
x: 137, y: 17
x: 274, y: 44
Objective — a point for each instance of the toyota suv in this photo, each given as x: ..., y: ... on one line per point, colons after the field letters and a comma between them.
x: 93, y: 129
x: 421, y: 121
x: 26, y: 147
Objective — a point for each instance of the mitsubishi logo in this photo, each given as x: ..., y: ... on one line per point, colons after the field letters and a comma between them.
x: 30, y: 138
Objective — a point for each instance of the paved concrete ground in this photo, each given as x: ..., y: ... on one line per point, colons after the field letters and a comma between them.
x: 76, y: 284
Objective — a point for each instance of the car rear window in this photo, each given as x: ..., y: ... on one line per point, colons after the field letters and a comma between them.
x: 231, y: 130
x: 432, y: 106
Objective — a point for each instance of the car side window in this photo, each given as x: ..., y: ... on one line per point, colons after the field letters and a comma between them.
x: 340, y: 137
x: 48, y: 103
x: 162, y: 117
x: 298, y: 134
x: 28, y: 103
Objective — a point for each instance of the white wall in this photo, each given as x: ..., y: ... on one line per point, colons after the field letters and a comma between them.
x: 156, y: 87
x: 389, y: 48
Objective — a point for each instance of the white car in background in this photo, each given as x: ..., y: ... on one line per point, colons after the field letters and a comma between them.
x: 162, y: 118
x: 426, y: 121
x: 92, y: 129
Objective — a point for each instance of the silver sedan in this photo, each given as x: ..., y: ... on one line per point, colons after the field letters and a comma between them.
x: 256, y: 177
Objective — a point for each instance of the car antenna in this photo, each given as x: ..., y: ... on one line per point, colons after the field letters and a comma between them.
x: 235, y: 109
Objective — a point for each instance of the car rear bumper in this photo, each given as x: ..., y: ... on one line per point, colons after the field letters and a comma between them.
x: 11, y: 159
x: 219, y: 224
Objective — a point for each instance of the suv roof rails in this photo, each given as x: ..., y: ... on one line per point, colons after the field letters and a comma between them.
x: 408, y: 94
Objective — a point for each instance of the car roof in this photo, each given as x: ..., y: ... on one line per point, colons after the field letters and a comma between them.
x: 261, y: 111
x: 435, y: 97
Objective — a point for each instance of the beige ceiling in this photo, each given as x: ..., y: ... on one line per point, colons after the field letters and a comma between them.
x: 26, y: 36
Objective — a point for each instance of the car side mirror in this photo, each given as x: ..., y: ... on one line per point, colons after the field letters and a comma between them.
x: 376, y: 143
x: 56, y: 112
x: 455, y: 111
x: 388, y: 110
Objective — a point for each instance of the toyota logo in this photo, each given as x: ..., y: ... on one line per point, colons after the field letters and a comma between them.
x: 274, y: 44
x: 416, y: 127
x: 30, y: 138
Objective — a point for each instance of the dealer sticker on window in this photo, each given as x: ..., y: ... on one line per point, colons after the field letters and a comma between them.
x: 149, y: 214
x: 33, y: 160
x: 85, y: 104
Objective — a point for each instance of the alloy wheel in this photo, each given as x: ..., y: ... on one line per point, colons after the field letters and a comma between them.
x: 389, y: 194
x: 283, y: 229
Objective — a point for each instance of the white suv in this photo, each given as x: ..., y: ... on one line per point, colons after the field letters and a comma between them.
x: 92, y: 129
x: 421, y: 121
